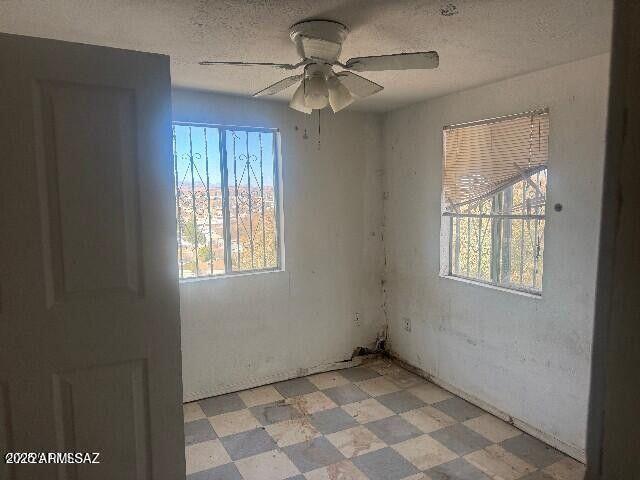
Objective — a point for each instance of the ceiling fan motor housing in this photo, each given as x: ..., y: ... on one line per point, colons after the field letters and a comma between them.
x: 319, y: 39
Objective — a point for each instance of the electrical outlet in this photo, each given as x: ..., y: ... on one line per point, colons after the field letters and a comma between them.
x: 406, y: 324
x: 356, y: 320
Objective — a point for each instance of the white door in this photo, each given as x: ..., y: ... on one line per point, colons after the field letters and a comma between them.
x: 89, y: 308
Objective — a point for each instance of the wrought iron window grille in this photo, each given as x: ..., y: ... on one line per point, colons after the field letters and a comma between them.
x: 227, y: 199
x: 493, y: 203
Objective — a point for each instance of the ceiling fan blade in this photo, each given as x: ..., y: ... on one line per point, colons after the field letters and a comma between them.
x: 358, y: 86
x: 398, y: 61
x: 279, y: 86
x: 285, y: 66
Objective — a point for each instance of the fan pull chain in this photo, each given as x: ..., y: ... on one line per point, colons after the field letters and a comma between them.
x: 318, y: 129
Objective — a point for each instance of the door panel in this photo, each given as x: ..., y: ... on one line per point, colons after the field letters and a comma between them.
x: 90, y: 195
x: 86, y: 419
x: 89, y: 308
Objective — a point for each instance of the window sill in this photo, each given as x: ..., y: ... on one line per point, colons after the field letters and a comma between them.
x: 227, y: 276
x: 537, y: 296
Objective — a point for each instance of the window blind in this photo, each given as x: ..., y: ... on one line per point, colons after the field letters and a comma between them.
x: 481, y: 158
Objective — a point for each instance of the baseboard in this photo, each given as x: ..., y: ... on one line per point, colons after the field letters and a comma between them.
x: 276, y: 377
x: 571, y: 450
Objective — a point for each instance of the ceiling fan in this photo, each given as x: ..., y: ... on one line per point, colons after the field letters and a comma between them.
x: 319, y: 44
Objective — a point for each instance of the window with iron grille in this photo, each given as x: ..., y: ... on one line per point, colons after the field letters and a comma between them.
x: 494, y: 191
x: 227, y: 199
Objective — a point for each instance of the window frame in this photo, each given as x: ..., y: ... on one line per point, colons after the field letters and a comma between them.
x: 226, y: 212
x: 447, y: 223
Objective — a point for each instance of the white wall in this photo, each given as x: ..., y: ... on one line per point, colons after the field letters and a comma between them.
x: 528, y: 357
x: 256, y: 329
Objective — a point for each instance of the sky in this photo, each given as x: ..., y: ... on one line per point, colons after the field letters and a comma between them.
x: 212, y: 154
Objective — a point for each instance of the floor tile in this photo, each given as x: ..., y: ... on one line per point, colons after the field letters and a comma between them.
x: 460, y: 439
x: 358, y: 424
x: 496, y: 462
x: 272, y: 465
x: 532, y: 450
x: 328, y: 380
x: 428, y: 419
x: 311, y: 455
x: 192, y: 412
x: 205, y: 456
x: 249, y: 443
x: 330, y: 421
x: 424, y: 452
x: 377, y: 386
x: 403, y: 378
x: 221, y: 404
x: 345, y: 394
x: 234, y: 422
x: 223, y: 472
x: 275, y: 412
x: 295, y: 387
x: 311, y: 402
x: 430, y: 393
x: 293, y: 431
x: 566, y: 469
x: 401, y: 401
x: 459, y: 409
x: 492, y: 428
x: 538, y: 475
x: 344, y: 470
x: 355, y: 441
x: 458, y: 469
x: 380, y: 365
x: 198, y: 431
x: 384, y: 464
x: 393, y: 429
x: 368, y: 410
x: 357, y: 374
x: 260, y: 396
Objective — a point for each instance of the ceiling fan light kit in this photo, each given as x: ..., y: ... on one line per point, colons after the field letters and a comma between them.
x: 297, y: 101
x: 319, y: 45
x: 316, y: 92
x: 339, y: 95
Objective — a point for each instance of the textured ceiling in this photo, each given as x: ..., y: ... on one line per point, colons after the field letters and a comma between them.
x: 484, y: 41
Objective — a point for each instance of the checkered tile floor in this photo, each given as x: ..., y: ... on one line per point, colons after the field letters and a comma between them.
x: 376, y: 422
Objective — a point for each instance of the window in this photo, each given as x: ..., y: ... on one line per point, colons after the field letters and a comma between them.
x: 227, y: 199
x: 493, y: 200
